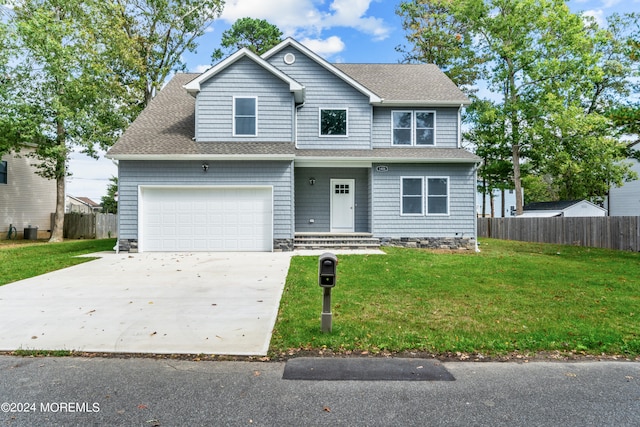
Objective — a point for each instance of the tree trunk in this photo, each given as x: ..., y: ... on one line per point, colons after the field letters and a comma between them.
x: 57, y: 232
x: 517, y: 181
x: 58, y: 219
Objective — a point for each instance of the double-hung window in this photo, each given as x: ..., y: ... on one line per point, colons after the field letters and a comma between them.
x: 413, y: 127
x: 245, y: 116
x: 412, y: 196
x: 3, y: 172
x: 420, y: 195
x: 437, y: 196
x: 333, y: 122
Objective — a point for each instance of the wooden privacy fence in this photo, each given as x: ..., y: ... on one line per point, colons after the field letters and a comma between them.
x: 610, y: 232
x: 90, y: 225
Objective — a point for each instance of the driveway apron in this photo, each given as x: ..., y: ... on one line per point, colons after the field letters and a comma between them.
x: 209, y: 303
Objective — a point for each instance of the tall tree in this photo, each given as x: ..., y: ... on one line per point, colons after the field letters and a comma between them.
x: 110, y: 202
x: 65, y: 88
x: 538, y: 60
x: 160, y: 32
x: 435, y: 36
x: 257, y: 35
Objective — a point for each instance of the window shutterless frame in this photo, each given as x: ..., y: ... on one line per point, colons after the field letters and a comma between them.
x: 245, y: 116
x: 333, y: 122
x: 411, y: 196
x: 438, y: 195
x: 410, y: 128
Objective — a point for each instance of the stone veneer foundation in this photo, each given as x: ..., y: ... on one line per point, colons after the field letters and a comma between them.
x: 448, y: 243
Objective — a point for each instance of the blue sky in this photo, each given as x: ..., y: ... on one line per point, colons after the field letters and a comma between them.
x: 339, y: 30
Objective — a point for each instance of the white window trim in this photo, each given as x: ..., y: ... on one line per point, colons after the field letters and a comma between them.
x: 414, y: 123
x: 422, y: 202
x: 426, y: 197
x: 320, y: 109
x: 233, y: 130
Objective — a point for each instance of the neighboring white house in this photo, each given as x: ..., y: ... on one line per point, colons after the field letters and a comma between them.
x: 625, y: 200
x: 566, y: 208
x: 81, y: 205
x: 26, y: 199
x: 509, y: 203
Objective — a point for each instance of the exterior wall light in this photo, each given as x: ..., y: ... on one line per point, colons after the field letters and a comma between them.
x: 312, y: 181
x: 205, y: 167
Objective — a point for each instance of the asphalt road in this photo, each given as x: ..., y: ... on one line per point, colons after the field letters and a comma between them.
x: 147, y: 392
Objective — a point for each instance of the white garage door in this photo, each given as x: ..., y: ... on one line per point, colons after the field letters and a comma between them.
x: 206, y: 219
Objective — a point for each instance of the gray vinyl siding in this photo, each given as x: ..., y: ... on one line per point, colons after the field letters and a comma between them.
x: 386, y: 218
x: 214, y: 104
x: 135, y: 173
x: 446, y: 126
x: 314, y: 201
x: 325, y: 90
x: 625, y: 200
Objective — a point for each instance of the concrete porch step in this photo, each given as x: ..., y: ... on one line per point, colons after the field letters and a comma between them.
x: 304, y: 241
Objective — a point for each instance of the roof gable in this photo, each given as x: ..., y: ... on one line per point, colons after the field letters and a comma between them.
x: 193, y: 87
x: 373, y: 97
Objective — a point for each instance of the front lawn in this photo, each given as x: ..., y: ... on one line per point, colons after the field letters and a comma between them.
x: 510, y: 297
x: 21, y: 259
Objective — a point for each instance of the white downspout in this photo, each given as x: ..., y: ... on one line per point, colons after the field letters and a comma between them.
x: 117, y: 247
x: 295, y: 123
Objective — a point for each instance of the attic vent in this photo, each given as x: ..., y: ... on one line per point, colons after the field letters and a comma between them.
x: 289, y: 58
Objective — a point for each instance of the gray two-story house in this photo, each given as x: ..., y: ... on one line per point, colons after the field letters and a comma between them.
x: 261, y: 150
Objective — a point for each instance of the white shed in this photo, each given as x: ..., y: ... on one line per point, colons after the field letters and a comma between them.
x: 567, y: 208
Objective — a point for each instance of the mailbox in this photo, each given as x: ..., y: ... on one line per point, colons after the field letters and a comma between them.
x: 327, y: 264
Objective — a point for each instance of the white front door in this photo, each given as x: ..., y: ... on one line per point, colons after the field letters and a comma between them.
x: 342, y: 205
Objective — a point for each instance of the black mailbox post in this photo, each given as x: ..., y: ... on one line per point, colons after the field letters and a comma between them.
x: 327, y: 269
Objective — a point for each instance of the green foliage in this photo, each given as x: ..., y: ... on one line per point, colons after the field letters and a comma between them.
x: 109, y: 202
x: 66, y: 89
x: 257, y: 35
x: 435, y: 36
x: 556, y: 79
x: 159, y: 32
x: 512, y: 296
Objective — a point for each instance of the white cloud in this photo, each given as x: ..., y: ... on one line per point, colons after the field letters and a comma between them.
x: 598, y: 15
x: 303, y: 17
x: 610, y: 3
x: 326, y: 47
x: 200, y: 68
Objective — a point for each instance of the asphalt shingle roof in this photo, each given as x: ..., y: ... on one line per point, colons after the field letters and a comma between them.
x: 550, y: 206
x: 406, y: 82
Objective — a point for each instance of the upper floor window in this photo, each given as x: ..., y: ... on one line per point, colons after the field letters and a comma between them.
x: 245, y: 116
x: 3, y: 172
x: 413, y: 127
x: 333, y: 122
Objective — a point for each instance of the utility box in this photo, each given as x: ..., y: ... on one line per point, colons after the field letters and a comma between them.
x: 327, y: 267
x: 31, y: 233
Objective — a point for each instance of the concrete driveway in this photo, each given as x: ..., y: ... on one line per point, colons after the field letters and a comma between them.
x: 210, y: 303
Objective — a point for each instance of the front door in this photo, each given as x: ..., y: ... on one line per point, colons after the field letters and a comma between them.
x: 342, y: 205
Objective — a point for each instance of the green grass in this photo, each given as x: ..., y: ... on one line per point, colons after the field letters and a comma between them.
x: 510, y: 297
x: 23, y: 259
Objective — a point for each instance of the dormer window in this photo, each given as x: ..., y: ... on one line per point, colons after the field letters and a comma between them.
x: 413, y: 127
x: 245, y: 116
